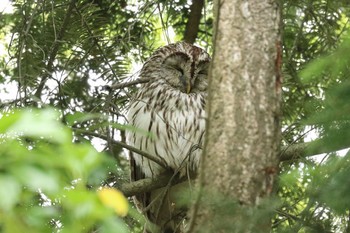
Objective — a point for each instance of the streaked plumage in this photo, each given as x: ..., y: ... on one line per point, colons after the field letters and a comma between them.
x: 171, y: 108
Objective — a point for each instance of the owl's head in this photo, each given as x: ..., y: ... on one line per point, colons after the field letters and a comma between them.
x: 181, y: 66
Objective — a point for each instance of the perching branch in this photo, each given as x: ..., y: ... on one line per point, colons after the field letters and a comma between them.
x: 144, y: 185
x: 149, y: 184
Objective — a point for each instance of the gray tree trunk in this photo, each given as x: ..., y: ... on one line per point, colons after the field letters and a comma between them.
x: 243, y: 131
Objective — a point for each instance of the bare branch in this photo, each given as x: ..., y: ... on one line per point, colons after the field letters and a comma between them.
x: 149, y: 184
x: 167, y: 178
x: 157, y: 160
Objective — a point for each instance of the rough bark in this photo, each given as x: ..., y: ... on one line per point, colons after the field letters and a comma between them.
x: 243, y: 131
x: 192, y: 25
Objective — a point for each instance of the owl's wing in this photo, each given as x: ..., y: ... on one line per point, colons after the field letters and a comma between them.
x: 142, y: 200
x: 158, y: 215
x: 137, y: 174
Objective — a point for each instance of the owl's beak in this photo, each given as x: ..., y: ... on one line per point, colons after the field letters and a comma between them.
x: 188, y: 87
x: 186, y: 83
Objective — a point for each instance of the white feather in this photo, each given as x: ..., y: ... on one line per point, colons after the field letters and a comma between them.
x: 175, y: 120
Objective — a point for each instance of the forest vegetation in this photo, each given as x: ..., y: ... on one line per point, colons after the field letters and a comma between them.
x: 69, y: 67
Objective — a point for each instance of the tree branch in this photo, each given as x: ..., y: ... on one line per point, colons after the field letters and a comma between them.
x: 292, y: 152
x: 288, y: 153
x: 155, y: 159
x: 194, y: 19
x: 54, y: 49
x: 307, y: 149
x: 296, y: 151
x: 149, y: 184
x: 144, y: 185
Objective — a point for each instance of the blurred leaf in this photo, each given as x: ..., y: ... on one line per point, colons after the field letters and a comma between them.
x: 84, y: 160
x: 115, y: 199
x: 79, y: 117
x: 334, y: 64
x: 113, y: 225
x: 37, y: 179
x: 9, y: 192
x: 334, y: 186
x: 32, y: 123
x: 7, y: 120
x: 41, y: 175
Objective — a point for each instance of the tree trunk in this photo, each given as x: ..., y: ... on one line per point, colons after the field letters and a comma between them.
x: 243, y: 132
x: 192, y: 25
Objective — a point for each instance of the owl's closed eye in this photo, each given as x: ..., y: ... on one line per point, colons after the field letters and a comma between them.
x: 185, y: 74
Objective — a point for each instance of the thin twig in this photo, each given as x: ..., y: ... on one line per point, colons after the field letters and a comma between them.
x: 128, y: 84
x: 153, y: 158
x: 157, y: 160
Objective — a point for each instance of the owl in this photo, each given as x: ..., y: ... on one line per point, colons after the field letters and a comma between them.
x: 168, y: 117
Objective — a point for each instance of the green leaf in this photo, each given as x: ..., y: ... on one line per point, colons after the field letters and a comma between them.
x: 79, y: 117
x: 80, y: 160
x: 9, y: 192
x: 38, y: 124
x: 37, y: 179
x: 7, y: 120
x: 114, y: 225
x: 334, y: 64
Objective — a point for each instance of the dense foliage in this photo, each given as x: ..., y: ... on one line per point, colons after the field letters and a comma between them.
x: 61, y: 66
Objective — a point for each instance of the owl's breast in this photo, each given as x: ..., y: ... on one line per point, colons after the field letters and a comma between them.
x: 173, y: 131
